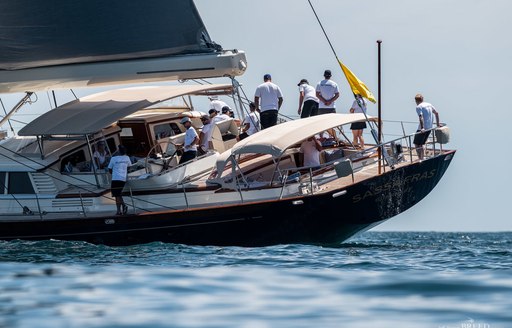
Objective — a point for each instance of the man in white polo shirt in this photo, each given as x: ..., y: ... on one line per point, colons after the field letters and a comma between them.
x: 271, y: 101
x: 216, y: 103
x: 191, y: 141
x: 426, y: 113
x: 327, y: 92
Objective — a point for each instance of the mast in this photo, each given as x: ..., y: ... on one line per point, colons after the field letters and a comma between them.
x: 379, y: 104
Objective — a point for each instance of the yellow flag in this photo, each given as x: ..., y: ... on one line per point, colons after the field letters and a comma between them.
x: 357, y: 86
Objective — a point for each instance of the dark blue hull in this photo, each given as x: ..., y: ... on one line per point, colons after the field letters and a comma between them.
x: 326, y: 218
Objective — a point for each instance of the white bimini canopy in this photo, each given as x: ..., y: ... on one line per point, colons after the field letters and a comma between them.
x: 275, y: 140
x: 92, y: 113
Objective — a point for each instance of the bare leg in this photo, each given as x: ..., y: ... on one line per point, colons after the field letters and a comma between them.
x: 419, y: 151
x: 121, y: 206
x: 360, y: 138
x: 354, y: 138
x: 119, y: 203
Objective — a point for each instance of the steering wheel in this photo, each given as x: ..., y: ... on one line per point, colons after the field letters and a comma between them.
x: 153, y: 151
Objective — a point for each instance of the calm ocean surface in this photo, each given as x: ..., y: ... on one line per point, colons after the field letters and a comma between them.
x: 380, y: 279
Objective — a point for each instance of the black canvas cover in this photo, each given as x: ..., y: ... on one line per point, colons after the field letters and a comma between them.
x: 39, y: 33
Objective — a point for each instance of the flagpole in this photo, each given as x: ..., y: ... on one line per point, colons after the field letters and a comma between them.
x: 379, y: 104
x: 377, y: 135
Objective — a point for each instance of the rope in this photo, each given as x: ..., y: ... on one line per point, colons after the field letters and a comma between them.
x: 73, y: 177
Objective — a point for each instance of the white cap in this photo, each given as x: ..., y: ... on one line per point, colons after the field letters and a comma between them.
x: 185, y: 120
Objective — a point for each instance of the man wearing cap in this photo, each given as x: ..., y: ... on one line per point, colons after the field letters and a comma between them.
x: 308, y: 102
x: 191, y: 141
x: 206, y: 134
x: 268, y: 100
x: 225, y: 113
x: 215, y: 117
x: 216, y: 104
x: 426, y: 113
x: 327, y: 92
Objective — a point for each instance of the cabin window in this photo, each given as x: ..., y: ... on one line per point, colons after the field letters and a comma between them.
x: 75, y: 162
x: 137, y: 142
x: 19, y: 183
x: 164, y: 130
x: 3, y: 186
x: 111, y: 143
x: 126, y: 132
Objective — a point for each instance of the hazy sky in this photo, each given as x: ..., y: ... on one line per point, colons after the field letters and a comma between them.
x: 455, y: 52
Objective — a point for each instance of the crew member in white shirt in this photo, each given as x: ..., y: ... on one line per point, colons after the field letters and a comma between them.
x: 268, y: 99
x: 118, y: 167
x: 327, y: 92
x: 206, y: 134
x: 191, y: 141
x: 310, y: 150
x: 358, y: 127
x: 308, y: 102
x: 216, y: 103
x: 225, y: 113
x: 251, y: 123
x: 426, y: 113
x: 100, y: 156
x: 215, y: 117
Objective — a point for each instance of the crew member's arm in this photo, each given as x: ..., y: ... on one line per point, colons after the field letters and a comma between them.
x: 201, y: 137
x: 336, y: 96
x: 438, y: 122
x: 301, y: 100
x: 257, y: 103
x: 422, y: 127
x: 318, y: 145
x: 333, y: 99
x: 319, y: 96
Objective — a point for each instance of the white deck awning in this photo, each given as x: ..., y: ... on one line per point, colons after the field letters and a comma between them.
x: 92, y: 113
x: 275, y: 140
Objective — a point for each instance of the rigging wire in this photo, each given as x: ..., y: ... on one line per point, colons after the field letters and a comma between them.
x: 73, y: 93
x: 322, y: 27
x: 72, y: 177
x: 8, y: 121
x: 359, y: 101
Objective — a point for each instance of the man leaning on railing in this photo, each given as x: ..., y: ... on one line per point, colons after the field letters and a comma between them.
x: 425, y: 113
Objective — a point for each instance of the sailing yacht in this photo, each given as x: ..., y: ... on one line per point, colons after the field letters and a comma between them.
x: 254, y: 192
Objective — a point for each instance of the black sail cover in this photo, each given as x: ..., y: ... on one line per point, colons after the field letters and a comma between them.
x: 38, y: 33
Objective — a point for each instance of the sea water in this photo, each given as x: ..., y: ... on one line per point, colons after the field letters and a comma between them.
x: 379, y: 279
